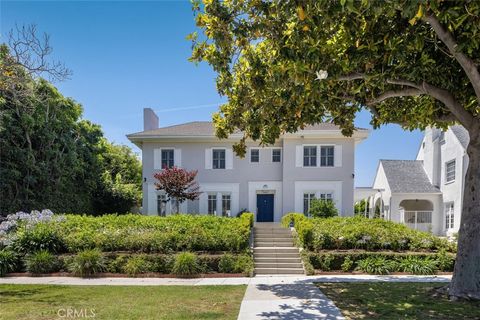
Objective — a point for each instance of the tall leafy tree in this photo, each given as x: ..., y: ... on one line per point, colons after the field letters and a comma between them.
x: 49, y: 156
x: 286, y: 64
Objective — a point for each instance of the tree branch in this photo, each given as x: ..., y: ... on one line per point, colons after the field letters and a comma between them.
x: 467, y: 64
x: 352, y: 76
x: 408, y: 92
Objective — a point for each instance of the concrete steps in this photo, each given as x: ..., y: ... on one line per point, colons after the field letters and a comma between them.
x: 274, y: 251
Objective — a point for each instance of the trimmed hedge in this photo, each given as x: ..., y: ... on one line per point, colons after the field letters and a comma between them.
x: 394, y: 261
x: 137, y: 233
x: 342, y: 233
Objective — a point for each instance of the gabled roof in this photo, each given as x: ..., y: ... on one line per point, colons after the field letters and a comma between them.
x: 407, y: 176
x: 462, y: 135
x: 206, y: 128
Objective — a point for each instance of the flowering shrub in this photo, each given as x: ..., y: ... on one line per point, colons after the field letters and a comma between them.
x: 24, y: 220
x: 362, y: 233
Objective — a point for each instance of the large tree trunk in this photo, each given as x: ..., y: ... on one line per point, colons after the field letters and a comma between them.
x: 466, y: 276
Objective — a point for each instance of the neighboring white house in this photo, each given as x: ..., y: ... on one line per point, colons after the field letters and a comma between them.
x: 425, y: 193
x: 317, y: 162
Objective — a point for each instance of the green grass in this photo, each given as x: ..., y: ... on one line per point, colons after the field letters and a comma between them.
x: 377, y: 300
x: 120, y: 302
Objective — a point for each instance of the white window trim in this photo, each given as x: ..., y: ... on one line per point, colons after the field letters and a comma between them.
x: 319, y: 150
x: 250, y: 155
x: 454, y: 172
x: 211, y: 157
x: 281, y: 155
x: 450, y: 214
x: 157, y: 155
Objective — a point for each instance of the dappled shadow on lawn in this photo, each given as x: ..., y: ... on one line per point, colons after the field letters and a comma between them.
x: 382, y: 300
x: 302, y: 301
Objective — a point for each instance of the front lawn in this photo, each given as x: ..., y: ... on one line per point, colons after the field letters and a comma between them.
x: 120, y: 302
x: 387, y: 300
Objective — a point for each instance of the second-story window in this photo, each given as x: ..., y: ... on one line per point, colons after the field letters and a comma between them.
x: 254, y: 155
x: 450, y: 171
x: 326, y: 156
x: 310, y: 156
x: 167, y: 158
x: 218, y: 159
x: 276, y: 155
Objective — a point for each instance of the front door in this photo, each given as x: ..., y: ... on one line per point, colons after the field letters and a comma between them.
x: 264, y: 207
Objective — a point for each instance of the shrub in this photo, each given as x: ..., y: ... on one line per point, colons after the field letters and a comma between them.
x: 87, y: 263
x: 307, y: 265
x: 325, y: 262
x: 136, y: 265
x: 186, y: 265
x: 8, y: 261
x: 322, y: 209
x: 377, y: 265
x: 41, y: 262
x: 150, y: 234
x: 42, y: 236
x: 362, y: 233
x: 444, y: 261
x: 244, y: 264
x: 415, y: 265
x: 347, y: 264
x: 226, y: 263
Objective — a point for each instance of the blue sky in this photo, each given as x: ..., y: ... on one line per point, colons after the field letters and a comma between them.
x: 129, y: 55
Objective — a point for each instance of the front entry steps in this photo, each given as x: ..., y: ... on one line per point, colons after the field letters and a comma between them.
x: 274, y: 251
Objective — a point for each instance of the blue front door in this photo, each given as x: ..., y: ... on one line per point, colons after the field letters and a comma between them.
x: 264, y: 207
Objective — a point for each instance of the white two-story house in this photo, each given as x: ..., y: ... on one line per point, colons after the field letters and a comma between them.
x: 317, y: 162
x: 425, y: 193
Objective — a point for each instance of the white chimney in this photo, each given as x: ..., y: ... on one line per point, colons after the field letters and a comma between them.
x: 150, y: 119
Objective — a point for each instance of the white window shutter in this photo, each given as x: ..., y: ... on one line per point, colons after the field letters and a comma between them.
x: 338, y: 156
x: 299, y: 156
x: 177, y: 157
x: 208, y: 158
x: 157, y: 159
x: 229, y: 159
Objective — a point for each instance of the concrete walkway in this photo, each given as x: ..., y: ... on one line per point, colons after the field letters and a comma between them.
x: 286, y: 301
x: 266, y: 297
x: 264, y: 280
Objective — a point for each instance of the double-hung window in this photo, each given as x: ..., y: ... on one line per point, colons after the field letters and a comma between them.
x: 449, y: 215
x: 226, y: 205
x: 307, y: 199
x: 326, y: 196
x: 212, y: 204
x: 310, y: 156
x: 276, y: 155
x: 450, y: 171
x: 162, y: 205
x: 254, y: 155
x: 327, y: 156
x: 168, y: 158
x: 218, y: 158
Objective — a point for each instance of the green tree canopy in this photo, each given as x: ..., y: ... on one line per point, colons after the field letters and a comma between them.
x: 51, y: 158
x: 287, y: 64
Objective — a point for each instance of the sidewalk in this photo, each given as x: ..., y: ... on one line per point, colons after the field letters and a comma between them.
x: 266, y: 280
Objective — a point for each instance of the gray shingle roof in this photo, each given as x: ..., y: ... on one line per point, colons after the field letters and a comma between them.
x: 206, y: 128
x: 462, y: 135
x: 407, y: 176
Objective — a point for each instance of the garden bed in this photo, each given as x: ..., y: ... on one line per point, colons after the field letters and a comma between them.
x: 372, y: 246
x: 180, y: 245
